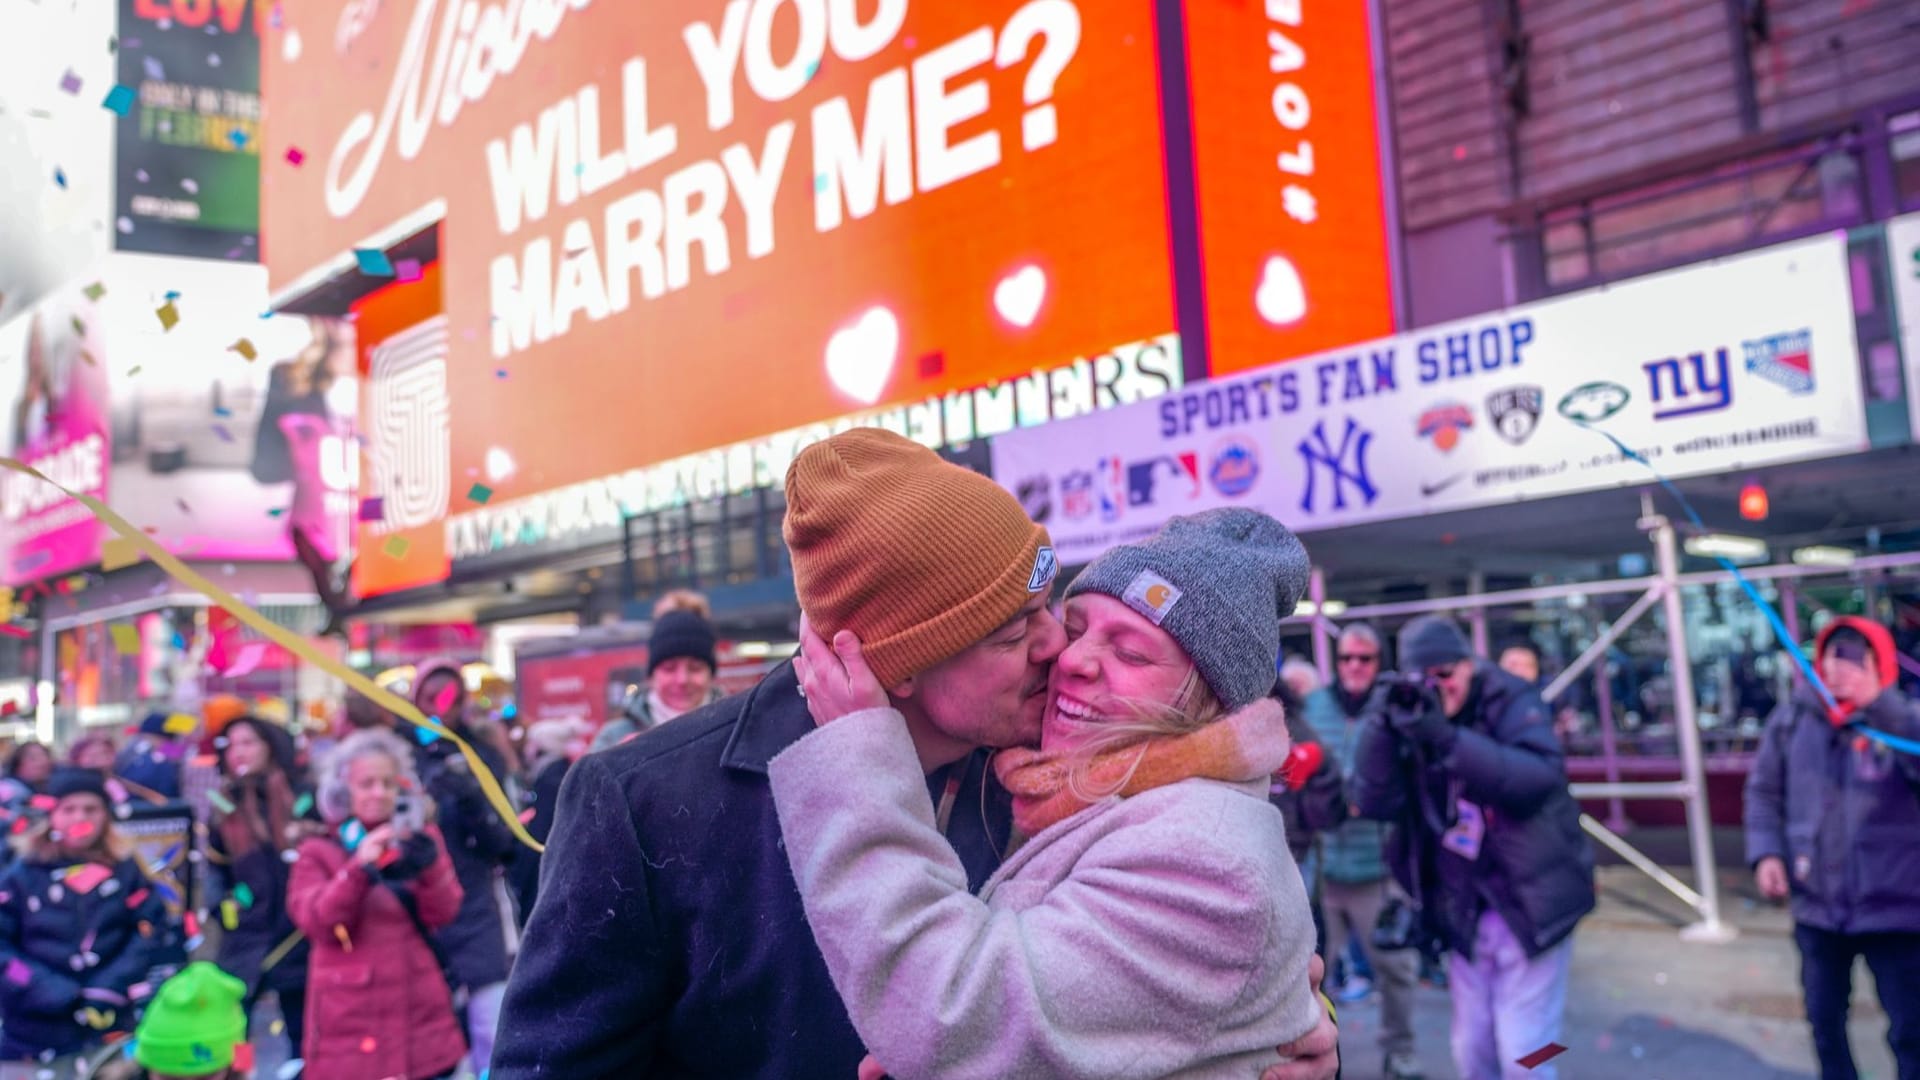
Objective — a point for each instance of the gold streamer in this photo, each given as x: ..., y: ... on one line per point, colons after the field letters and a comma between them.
x: 293, y: 643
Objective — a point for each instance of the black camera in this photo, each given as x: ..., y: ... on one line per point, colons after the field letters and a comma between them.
x: 1407, y: 693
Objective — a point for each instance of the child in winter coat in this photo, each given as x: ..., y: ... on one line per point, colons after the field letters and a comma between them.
x: 83, y: 937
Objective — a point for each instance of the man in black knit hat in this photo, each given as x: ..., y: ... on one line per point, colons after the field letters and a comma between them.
x: 1462, y: 757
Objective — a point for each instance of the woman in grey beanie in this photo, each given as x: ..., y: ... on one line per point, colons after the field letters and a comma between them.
x: 1152, y: 923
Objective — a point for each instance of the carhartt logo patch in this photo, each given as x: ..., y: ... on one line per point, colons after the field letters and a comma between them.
x: 1151, y: 595
x: 1044, y: 567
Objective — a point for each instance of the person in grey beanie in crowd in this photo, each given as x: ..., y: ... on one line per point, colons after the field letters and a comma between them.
x: 1150, y: 920
x: 1461, y: 756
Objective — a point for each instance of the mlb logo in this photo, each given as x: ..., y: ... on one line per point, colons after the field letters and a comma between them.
x: 1783, y: 359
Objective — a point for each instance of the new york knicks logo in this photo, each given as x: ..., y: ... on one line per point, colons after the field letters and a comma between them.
x: 1444, y: 424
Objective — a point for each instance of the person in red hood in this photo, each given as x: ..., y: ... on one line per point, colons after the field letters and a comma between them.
x: 1833, y: 820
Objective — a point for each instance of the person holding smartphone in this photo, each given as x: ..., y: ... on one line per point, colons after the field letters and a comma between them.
x: 368, y: 896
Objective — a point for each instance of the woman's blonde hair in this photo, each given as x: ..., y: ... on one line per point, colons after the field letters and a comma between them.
x: 683, y: 600
x: 1193, y: 707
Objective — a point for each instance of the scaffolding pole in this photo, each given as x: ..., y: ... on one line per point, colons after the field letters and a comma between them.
x: 1693, y: 774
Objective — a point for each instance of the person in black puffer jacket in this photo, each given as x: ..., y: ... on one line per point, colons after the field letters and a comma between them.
x: 1462, y: 757
x: 263, y: 811
x: 481, y: 846
x: 84, y: 938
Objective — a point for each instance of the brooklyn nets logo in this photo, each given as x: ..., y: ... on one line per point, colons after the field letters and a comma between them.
x: 412, y: 452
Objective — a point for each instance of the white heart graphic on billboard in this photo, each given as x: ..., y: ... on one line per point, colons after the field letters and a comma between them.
x: 1019, y: 295
x: 860, y: 357
x: 499, y: 465
x: 1282, y: 296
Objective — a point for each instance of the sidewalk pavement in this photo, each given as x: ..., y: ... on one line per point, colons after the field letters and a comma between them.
x: 1644, y: 1004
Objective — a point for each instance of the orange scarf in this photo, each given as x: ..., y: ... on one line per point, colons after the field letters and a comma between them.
x: 1247, y: 745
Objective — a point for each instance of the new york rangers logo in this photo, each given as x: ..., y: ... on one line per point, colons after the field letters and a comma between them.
x: 1785, y: 359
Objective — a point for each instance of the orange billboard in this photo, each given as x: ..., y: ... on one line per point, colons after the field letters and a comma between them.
x: 671, y: 227
x: 1292, y: 207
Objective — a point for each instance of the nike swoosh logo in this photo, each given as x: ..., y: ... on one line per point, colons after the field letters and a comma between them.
x: 1430, y: 490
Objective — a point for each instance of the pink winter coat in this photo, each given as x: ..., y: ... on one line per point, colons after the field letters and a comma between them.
x: 381, y: 1009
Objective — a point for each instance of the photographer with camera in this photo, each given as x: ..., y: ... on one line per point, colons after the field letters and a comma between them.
x: 1461, y: 757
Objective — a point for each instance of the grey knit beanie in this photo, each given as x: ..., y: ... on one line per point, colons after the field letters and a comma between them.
x: 1432, y: 641
x: 1219, y: 582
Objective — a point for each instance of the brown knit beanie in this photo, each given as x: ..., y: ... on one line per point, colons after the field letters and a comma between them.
x: 919, y: 557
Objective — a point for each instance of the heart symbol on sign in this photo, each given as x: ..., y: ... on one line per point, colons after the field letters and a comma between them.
x: 1019, y: 295
x: 1282, y: 296
x: 860, y: 357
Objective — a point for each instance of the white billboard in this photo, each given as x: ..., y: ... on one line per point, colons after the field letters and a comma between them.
x: 1742, y: 362
x: 1903, y: 251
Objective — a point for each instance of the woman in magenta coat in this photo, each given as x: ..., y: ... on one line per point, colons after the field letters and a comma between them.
x: 377, y: 1004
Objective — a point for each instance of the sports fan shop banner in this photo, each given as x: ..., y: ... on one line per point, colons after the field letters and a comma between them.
x: 1744, y: 362
x: 669, y: 228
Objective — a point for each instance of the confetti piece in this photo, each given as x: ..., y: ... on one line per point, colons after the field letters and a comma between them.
x: 479, y: 493
x: 223, y: 412
x: 303, y: 804
x: 220, y: 802
x: 243, y: 1058
x: 70, y: 82
x: 373, y: 508
x: 245, y: 348
x: 276, y: 511
x: 60, y: 178
x: 192, y: 923
x: 499, y: 373
x: 367, y: 1045
x: 396, y: 547
x: 88, y: 878
x: 346, y: 943
x: 153, y: 69
x: 94, y: 291
x: 239, y: 138
x: 295, y: 155
x: 1541, y: 1056
x: 229, y: 914
x: 126, y: 640
x: 169, y: 315
x: 15, y: 631
x: 134, y: 370
x: 221, y: 430
x: 119, y: 100
x: 406, y: 270
x: 526, y: 816
x: 426, y: 735
x: 373, y: 262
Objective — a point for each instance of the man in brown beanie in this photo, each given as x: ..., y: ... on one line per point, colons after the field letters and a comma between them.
x: 669, y: 938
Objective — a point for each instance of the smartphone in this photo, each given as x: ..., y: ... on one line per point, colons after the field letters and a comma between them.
x: 409, y: 813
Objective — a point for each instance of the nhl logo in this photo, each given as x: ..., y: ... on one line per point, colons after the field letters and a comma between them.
x: 1515, y: 412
